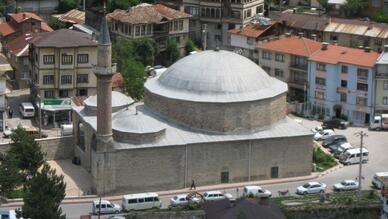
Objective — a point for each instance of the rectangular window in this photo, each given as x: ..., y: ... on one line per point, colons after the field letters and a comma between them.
x: 63, y: 93
x: 343, y: 98
x: 249, y: 13
x: 361, y: 101
x: 266, y: 55
x: 385, y: 100
x: 66, y: 79
x: 344, y: 69
x: 67, y: 59
x: 362, y: 74
x: 320, y: 81
x: 279, y: 57
x: 137, y: 30
x: 175, y: 25
x: 385, y: 85
x: 319, y: 95
x: 344, y: 83
x: 48, y: 59
x: 149, y: 29
x: 49, y: 94
x: 321, y: 66
x: 82, y: 58
x: 266, y: 69
x: 150, y: 199
x: 83, y: 78
x: 82, y: 92
x: 181, y: 25
x: 48, y: 79
x: 362, y: 86
x: 278, y: 72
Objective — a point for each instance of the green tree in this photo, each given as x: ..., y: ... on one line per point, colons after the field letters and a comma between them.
x: 26, y: 151
x: 325, y: 4
x: 172, y: 53
x: 67, y: 5
x: 134, y: 77
x: 10, y: 178
x: 189, y: 47
x: 121, y: 4
x: 45, y: 192
x: 55, y: 23
x: 354, y: 7
x: 145, y: 50
x: 122, y: 50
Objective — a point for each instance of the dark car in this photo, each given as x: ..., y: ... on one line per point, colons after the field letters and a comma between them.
x: 333, y: 147
x: 335, y: 124
x: 333, y: 139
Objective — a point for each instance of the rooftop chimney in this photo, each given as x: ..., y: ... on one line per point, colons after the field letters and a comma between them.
x: 300, y: 34
x: 367, y: 49
x: 385, y: 48
x: 325, y: 45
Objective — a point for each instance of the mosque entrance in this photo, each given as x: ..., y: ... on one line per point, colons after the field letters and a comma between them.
x: 225, y: 177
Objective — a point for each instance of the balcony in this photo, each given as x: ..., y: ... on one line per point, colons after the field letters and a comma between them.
x: 320, y: 87
x: 381, y: 75
x: 297, y: 83
x: 342, y: 90
x: 362, y: 79
x: 297, y: 66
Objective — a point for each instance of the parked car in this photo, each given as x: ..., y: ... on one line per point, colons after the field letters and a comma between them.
x: 26, y: 110
x: 334, y: 147
x: 256, y: 191
x: 105, y: 207
x: 333, y: 139
x: 377, y: 179
x: 353, y: 155
x: 317, y: 129
x: 216, y: 195
x: 345, y: 185
x: 335, y: 123
x: 182, y: 200
x: 311, y: 188
x: 341, y: 149
x: 326, y: 132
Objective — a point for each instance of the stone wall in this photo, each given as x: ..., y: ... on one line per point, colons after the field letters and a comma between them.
x: 55, y: 148
x: 219, y: 117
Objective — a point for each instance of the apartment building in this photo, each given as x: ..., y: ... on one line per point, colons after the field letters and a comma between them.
x: 211, y: 19
x: 244, y: 40
x: 344, y: 32
x: 287, y: 60
x: 4, y: 67
x: 155, y: 21
x: 61, y: 64
x: 341, y: 82
x: 381, y: 84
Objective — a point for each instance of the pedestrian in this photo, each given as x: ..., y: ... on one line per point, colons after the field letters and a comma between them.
x: 192, y: 185
x: 10, y: 112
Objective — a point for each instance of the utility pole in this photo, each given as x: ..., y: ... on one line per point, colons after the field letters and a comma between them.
x: 362, y: 134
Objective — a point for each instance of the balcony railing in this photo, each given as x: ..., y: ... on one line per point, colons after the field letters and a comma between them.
x: 298, y: 66
x: 342, y: 90
x: 382, y: 75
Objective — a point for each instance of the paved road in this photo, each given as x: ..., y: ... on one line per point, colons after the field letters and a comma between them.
x: 376, y: 142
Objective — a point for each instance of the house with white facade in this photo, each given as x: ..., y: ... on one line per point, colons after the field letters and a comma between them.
x: 381, y: 84
x: 4, y: 67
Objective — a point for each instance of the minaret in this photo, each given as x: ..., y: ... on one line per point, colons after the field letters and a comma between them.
x: 104, y: 74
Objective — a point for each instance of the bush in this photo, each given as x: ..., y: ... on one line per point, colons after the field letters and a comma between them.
x: 379, y: 16
x: 324, y: 161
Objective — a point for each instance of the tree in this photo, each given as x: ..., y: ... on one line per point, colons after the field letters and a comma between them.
x: 189, y: 47
x: 10, y: 178
x: 121, y: 4
x: 145, y: 50
x: 67, y: 5
x: 353, y: 7
x: 122, y: 50
x: 55, y: 23
x: 45, y: 192
x: 134, y: 77
x: 172, y: 53
x: 26, y: 151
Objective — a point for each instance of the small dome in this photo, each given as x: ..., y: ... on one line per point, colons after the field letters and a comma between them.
x: 119, y: 101
x: 136, y: 128
x: 216, y: 76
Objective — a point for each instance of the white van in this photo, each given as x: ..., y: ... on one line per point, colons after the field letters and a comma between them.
x: 105, y: 207
x: 26, y: 110
x: 66, y: 129
x: 256, y: 191
x: 141, y: 201
x: 352, y: 156
x: 376, y: 181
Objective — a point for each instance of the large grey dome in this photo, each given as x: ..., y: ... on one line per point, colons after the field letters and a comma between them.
x: 216, y: 76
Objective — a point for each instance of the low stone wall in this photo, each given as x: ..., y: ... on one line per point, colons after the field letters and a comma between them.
x: 57, y: 148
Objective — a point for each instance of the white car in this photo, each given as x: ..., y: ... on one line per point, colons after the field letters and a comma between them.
x: 311, y: 188
x: 256, y: 191
x: 317, y: 129
x: 323, y: 134
x: 182, y: 200
x: 346, y: 185
x: 105, y: 207
x: 216, y: 195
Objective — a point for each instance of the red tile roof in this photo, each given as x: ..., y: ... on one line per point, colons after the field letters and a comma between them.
x: 20, y: 17
x: 117, y: 80
x: 340, y: 54
x: 146, y: 13
x: 19, y: 45
x: 251, y: 30
x: 6, y: 29
x: 299, y: 46
x: 45, y: 27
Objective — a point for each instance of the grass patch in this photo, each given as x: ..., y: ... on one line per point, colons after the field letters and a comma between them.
x: 322, y: 160
x: 16, y: 194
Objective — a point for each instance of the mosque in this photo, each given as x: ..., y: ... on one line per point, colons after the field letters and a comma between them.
x: 212, y: 117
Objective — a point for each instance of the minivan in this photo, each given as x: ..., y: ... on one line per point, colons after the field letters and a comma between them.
x: 256, y: 191
x: 376, y: 181
x: 141, y: 201
x: 352, y: 156
x: 105, y: 207
x: 26, y: 110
